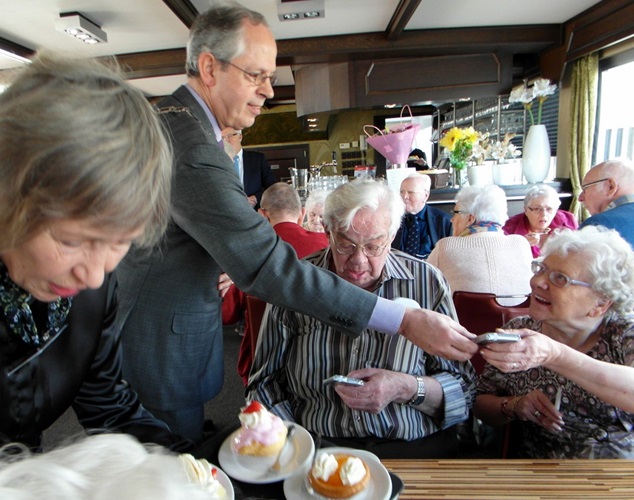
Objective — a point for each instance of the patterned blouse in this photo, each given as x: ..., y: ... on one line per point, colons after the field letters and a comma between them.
x: 592, y: 428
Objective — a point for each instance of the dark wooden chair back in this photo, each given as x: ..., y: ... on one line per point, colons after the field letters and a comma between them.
x: 482, y: 313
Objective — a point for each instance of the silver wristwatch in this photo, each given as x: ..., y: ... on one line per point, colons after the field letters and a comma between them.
x: 419, y: 397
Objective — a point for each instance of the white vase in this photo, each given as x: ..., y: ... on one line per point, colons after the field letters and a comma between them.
x: 480, y: 175
x: 536, y: 154
x: 507, y: 174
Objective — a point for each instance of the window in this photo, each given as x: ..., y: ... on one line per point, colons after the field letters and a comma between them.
x: 615, y: 119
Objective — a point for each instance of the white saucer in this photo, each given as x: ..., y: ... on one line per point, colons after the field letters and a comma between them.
x: 224, y: 480
x: 379, y: 487
x: 296, y: 455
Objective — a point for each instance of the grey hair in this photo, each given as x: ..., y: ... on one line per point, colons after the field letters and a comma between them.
x: 346, y: 200
x: 98, y: 467
x: 281, y: 198
x: 316, y: 197
x: 219, y: 31
x: 606, y: 255
x: 485, y: 203
x: 542, y: 191
x: 78, y: 142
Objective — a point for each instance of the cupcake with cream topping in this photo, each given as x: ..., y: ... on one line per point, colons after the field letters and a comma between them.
x: 261, y: 434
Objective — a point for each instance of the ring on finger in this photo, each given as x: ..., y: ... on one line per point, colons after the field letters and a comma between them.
x: 537, y: 414
x: 514, y: 366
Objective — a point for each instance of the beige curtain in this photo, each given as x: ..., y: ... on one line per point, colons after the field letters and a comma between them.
x: 584, y: 88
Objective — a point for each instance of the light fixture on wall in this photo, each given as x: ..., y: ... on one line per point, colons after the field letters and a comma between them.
x: 77, y: 26
x: 294, y: 10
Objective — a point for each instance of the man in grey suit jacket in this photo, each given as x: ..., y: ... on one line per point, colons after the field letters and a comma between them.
x: 172, y: 335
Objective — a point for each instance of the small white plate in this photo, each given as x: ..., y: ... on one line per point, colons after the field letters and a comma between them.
x: 296, y: 455
x: 224, y: 480
x: 379, y: 487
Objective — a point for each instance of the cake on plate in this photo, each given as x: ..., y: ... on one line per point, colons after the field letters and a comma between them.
x: 261, y: 433
x: 338, y: 475
x: 201, y: 472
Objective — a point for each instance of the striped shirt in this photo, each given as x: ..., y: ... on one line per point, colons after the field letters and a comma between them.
x: 295, y: 353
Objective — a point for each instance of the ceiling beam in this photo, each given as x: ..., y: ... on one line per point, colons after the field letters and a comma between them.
x: 508, y: 39
x: 513, y: 39
x: 400, y: 18
x: 14, y: 48
x: 184, y: 10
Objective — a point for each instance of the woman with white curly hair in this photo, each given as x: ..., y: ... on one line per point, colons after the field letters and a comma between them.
x: 570, y: 379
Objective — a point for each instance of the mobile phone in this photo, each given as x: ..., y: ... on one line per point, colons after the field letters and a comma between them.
x: 497, y: 338
x: 342, y: 379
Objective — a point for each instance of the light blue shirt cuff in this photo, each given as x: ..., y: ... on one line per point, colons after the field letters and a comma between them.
x: 387, y: 316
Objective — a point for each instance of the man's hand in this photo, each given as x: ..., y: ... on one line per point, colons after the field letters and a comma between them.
x: 252, y: 200
x: 224, y: 283
x: 438, y: 334
x: 381, y: 388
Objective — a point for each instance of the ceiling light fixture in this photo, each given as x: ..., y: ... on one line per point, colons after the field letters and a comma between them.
x: 293, y: 10
x: 77, y: 26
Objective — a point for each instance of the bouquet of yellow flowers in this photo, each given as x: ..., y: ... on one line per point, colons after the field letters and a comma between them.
x: 460, y: 143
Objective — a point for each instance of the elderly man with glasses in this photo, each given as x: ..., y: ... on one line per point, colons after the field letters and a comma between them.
x: 410, y: 401
x: 607, y: 192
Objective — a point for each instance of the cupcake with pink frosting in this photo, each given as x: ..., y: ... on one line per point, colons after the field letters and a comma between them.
x: 262, y: 434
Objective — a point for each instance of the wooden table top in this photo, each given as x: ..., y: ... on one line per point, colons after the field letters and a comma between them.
x: 514, y: 479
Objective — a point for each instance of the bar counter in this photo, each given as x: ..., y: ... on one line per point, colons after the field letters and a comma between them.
x: 514, y: 479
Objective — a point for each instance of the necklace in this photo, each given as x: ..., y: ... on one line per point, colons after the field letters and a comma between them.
x: 15, y: 305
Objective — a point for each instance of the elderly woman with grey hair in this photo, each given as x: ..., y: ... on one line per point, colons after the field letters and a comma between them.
x: 569, y: 381
x: 315, y: 210
x: 540, y: 217
x: 479, y: 257
x: 86, y: 173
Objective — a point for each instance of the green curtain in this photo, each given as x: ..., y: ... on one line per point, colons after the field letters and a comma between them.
x: 584, y: 89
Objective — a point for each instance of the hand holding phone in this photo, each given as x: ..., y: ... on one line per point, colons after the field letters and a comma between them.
x: 342, y: 379
x: 497, y: 338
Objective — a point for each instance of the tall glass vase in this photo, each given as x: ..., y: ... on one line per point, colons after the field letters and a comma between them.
x: 536, y: 154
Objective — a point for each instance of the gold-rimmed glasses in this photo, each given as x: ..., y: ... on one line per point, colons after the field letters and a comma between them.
x: 348, y: 248
x: 258, y: 79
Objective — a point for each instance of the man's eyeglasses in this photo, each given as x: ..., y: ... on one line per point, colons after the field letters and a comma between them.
x: 347, y: 248
x: 556, y: 278
x: 586, y: 186
x: 541, y: 210
x: 227, y: 136
x: 410, y: 193
x: 255, y: 78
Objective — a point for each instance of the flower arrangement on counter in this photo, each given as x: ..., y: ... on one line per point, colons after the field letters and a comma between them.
x: 502, y: 150
x: 540, y: 90
x: 459, y: 142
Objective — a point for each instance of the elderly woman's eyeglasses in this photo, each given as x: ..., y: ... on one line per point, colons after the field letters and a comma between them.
x: 556, y: 278
x: 347, y: 248
x: 542, y: 210
x: 454, y: 212
x: 255, y: 78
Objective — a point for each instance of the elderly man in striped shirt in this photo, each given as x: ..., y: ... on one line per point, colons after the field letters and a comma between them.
x: 410, y: 401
